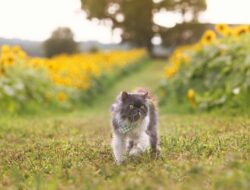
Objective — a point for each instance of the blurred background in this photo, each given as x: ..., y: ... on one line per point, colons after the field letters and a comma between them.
x: 73, y: 50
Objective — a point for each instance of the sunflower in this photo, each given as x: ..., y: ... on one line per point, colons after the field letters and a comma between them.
x: 170, y: 71
x: 190, y: 94
x: 243, y: 29
x: 61, y: 96
x: 208, y: 37
x: 191, y: 97
x: 21, y: 54
x: 222, y: 29
x: 5, y: 49
x: 16, y: 49
x: 36, y: 62
x: 8, y: 60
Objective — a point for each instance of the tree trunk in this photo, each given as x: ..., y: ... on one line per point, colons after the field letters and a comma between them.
x: 150, y: 47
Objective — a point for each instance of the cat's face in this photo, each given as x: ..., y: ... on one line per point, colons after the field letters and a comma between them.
x: 133, y: 107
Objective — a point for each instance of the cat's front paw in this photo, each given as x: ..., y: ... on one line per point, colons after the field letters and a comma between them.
x: 156, y: 152
x: 134, y: 152
x: 119, y: 162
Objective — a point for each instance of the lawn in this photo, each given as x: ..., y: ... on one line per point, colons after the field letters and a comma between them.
x: 72, y: 150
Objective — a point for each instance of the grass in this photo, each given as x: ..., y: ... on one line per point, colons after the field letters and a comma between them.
x: 72, y: 151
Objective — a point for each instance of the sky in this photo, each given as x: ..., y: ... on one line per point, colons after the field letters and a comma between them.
x: 36, y: 19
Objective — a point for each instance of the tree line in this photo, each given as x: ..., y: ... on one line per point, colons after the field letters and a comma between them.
x: 135, y: 19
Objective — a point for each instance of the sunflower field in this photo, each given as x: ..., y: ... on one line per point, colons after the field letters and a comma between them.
x: 213, y: 73
x: 30, y: 82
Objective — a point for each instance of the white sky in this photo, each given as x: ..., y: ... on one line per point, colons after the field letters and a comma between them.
x: 36, y: 19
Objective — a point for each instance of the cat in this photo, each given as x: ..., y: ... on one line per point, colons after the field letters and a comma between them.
x: 134, y: 124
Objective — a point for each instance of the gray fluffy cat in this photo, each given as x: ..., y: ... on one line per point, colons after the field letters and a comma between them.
x: 134, y: 121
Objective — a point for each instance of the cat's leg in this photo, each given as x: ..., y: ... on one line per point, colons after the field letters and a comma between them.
x: 152, y: 131
x: 153, y: 136
x: 140, y: 145
x: 130, y: 145
x: 119, y: 148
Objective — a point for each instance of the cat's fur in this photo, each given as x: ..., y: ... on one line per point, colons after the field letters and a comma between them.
x: 138, y: 109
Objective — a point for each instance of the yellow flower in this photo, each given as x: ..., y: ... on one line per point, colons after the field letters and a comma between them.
x: 8, y: 60
x: 5, y: 49
x: 239, y: 30
x: 61, y: 96
x: 222, y: 29
x: 36, y: 62
x: 169, y: 71
x: 22, y: 54
x: 191, y: 97
x: 16, y: 49
x: 190, y: 94
x: 208, y: 37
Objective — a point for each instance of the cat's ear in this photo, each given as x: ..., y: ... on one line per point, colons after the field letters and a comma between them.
x: 124, y: 96
x: 145, y: 95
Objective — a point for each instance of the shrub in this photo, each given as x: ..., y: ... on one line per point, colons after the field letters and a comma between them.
x: 212, y: 73
x: 21, y: 86
x: 28, y: 83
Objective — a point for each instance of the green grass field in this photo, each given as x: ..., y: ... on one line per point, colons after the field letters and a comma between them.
x: 72, y: 150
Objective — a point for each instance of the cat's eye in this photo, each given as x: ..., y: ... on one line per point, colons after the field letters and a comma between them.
x: 131, y: 106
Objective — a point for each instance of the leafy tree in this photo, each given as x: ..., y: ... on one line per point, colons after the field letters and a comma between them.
x: 185, y: 33
x: 135, y: 17
x: 193, y: 7
x: 61, y: 41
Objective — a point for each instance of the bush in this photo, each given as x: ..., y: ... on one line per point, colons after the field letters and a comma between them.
x: 30, y: 84
x: 212, y: 73
x: 22, y: 86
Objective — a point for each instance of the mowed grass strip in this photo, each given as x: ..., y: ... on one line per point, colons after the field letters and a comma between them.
x: 73, y: 152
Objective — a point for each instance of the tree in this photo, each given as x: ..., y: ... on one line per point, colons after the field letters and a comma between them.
x: 192, y: 7
x: 135, y: 17
x: 61, y: 41
x: 185, y: 33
